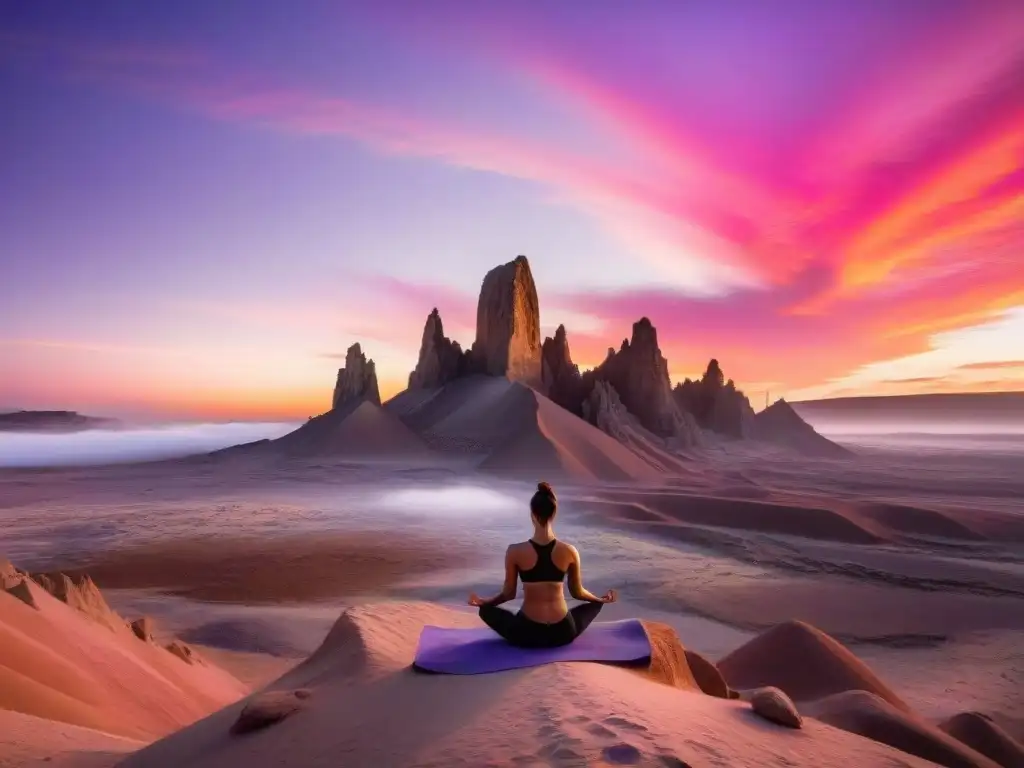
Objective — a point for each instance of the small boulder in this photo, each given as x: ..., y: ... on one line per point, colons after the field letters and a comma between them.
x: 183, y: 652
x: 772, y: 704
x: 708, y: 678
x: 143, y: 628
x: 22, y: 591
x: 266, y: 709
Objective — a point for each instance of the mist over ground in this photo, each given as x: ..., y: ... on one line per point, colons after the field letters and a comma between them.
x: 911, y: 432
x: 116, y: 446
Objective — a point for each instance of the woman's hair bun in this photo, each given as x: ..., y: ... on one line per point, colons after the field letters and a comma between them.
x: 543, y: 487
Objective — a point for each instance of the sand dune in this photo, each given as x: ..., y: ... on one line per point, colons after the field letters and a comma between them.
x: 363, y: 705
x: 780, y: 424
x: 552, y: 440
x: 805, y: 663
x: 57, y: 663
x: 363, y: 429
x: 808, y: 521
x: 517, y: 430
x: 981, y: 734
x: 871, y: 716
x: 807, y: 516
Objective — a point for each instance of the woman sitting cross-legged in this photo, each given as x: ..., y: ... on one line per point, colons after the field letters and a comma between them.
x: 542, y: 563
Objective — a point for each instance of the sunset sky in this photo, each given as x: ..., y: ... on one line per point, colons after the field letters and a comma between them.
x: 203, y: 204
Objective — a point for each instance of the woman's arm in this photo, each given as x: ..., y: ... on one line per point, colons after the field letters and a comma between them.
x: 576, y: 588
x: 509, y: 588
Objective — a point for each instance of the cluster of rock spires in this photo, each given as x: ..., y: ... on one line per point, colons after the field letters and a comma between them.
x: 633, y: 381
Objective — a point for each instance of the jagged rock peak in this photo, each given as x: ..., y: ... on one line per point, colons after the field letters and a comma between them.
x: 716, y: 404
x: 555, y: 355
x: 639, y: 374
x: 440, y: 359
x: 357, y: 381
x: 713, y: 375
x: 508, y: 324
x: 645, y: 334
x: 560, y: 376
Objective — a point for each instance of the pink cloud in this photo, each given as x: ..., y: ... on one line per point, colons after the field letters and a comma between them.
x: 875, y: 230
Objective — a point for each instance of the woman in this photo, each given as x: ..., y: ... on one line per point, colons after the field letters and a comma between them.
x: 542, y: 564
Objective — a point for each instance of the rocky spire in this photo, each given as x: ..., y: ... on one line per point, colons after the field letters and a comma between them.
x: 715, y: 403
x: 639, y: 374
x: 440, y: 359
x: 508, y: 324
x: 560, y: 376
x: 357, y: 380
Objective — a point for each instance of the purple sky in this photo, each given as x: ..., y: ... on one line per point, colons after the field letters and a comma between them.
x: 203, y: 204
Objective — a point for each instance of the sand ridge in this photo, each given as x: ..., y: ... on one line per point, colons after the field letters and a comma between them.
x: 805, y: 663
x: 360, y: 687
x: 516, y: 429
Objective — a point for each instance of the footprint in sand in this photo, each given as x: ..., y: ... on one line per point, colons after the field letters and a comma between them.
x: 671, y: 761
x: 549, y: 731
x: 621, y: 722
x: 597, y: 729
x: 563, y: 751
x: 622, y: 754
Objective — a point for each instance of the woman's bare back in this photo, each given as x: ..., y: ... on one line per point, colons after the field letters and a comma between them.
x: 544, y: 601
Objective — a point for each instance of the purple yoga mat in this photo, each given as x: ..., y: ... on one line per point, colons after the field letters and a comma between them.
x: 476, y: 651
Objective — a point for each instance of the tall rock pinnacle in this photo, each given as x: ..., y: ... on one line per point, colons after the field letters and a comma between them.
x: 440, y: 359
x: 357, y: 380
x: 508, y: 324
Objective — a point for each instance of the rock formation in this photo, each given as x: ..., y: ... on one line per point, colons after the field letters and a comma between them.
x: 604, y: 409
x: 508, y: 324
x: 183, y: 651
x: 639, y: 374
x: 716, y: 404
x: 9, y: 575
x: 142, y: 627
x: 560, y: 376
x: 357, y: 381
x: 441, y: 360
x: 80, y: 592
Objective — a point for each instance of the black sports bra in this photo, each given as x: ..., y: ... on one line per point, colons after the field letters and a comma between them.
x: 545, y: 569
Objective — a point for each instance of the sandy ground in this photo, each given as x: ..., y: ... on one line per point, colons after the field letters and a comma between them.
x: 916, y: 564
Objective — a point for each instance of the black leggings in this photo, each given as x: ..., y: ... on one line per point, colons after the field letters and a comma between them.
x: 526, y: 633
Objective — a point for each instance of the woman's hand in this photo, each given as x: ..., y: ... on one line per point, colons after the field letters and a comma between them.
x: 475, y: 600
x: 610, y: 596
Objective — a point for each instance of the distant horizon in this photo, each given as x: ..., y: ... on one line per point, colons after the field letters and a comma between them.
x: 206, y: 206
x: 758, y: 405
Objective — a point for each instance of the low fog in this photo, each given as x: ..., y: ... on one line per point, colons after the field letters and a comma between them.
x: 102, y: 446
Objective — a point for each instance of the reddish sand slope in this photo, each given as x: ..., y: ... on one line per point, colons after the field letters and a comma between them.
x: 57, y: 663
x: 32, y: 742
x: 870, y: 716
x: 981, y: 734
x: 805, y: 663
x: 365, y: 706
x: 550, y: 438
